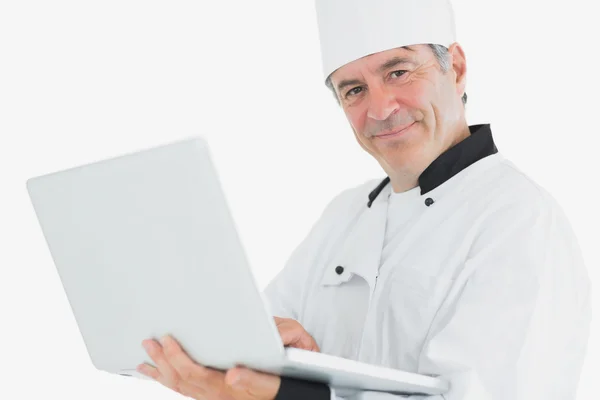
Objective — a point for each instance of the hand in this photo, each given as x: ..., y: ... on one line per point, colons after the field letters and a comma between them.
x: 293, y: 335
x: 178, y: 372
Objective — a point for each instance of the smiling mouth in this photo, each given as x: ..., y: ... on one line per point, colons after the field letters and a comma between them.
x: 395, y: 133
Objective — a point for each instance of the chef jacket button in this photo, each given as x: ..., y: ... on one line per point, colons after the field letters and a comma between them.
x: 428, y: 201
x: 339, y: 269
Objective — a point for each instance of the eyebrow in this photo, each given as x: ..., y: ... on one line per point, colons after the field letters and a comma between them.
x: 386, y: 65
x: 393, y: 62
x: 347, y: 82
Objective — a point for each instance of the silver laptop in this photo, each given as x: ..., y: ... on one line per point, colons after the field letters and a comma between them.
x: 145, y: 246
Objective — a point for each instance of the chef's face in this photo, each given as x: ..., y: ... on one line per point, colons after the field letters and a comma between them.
x: 404, y: 110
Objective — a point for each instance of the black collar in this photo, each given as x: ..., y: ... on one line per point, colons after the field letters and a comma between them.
x: 479, y: 144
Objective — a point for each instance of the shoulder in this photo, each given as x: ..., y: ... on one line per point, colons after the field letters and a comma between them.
x: 506, y: 186
x: 513, y: 211
x: 351, y: 200
x: 505, y: 208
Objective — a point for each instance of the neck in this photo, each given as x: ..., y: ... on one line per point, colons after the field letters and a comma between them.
x: 405, y: 180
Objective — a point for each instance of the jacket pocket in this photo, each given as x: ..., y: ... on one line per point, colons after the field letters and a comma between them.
x: 409, y: 303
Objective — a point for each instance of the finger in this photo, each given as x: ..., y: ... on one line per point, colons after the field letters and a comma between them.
x: 148, y: 370
x: 155, y: 374
x: 183, y: 388
x: 310, y: 343
x: 252, y: 383
x: 290, y: 333
x: 285, y: 329
x: 187, y: 370
x: 155, y: 351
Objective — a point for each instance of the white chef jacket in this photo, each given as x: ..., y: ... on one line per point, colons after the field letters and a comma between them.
x: 480, y: 281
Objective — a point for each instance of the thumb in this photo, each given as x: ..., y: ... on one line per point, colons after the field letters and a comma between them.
x: 253, y: 383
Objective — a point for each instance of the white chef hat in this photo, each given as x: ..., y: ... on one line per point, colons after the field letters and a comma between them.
x: 352, y: 29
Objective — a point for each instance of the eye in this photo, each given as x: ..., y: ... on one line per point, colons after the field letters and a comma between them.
x: 397, y: 74
x: 354, y: 91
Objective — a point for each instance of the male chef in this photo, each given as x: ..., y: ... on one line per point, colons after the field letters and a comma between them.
x: 457, y: 264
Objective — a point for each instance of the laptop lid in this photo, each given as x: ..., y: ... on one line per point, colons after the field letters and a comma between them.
x: 145, y: 246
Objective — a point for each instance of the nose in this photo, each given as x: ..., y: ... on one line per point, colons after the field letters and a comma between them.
x: 382, y: 103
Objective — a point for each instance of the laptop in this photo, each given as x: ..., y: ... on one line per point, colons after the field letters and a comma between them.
x: 145, y: 245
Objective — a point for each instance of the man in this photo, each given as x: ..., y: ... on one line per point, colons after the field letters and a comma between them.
x: 456, y: 264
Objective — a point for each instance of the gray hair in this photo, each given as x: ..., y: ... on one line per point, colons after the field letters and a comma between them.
x: 441, y: 54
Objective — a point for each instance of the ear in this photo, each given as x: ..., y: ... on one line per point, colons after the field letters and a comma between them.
x: 459, y: 66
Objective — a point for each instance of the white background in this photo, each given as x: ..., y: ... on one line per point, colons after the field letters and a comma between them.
x: 86, y: 80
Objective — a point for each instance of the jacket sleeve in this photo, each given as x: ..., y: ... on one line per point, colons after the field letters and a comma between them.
x: 518, y: 326
x: 284, y: 294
